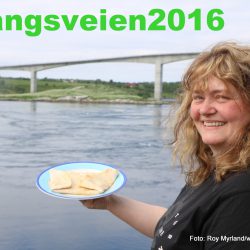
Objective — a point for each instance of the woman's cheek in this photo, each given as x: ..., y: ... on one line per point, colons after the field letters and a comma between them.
x: 194, y: 113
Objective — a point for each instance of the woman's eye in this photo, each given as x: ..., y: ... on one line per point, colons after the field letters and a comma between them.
x: 197, y: 97
x: 222, y: 97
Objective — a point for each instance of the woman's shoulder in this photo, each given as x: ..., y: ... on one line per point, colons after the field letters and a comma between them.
x: 235, y: 183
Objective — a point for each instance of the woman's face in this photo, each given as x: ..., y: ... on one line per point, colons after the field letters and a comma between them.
x: 219, y: 114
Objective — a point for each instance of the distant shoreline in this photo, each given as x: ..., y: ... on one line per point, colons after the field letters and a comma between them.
x: 89, y: 101
x: 61, y: 91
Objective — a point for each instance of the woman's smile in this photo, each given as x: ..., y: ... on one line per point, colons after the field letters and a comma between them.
x: 212, y: 124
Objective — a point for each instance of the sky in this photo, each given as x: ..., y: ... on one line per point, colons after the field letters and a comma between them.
x: 57, y: 46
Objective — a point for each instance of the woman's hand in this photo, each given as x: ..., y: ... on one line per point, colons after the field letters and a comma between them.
x: 100, y: 203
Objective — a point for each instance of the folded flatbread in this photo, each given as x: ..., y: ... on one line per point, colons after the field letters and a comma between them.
x: 59, y: 179
x: 75, y: 188
x: 77, y: 182
x: 100, y: 181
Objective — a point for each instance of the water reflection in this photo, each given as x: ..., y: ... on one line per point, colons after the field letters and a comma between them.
x: 157, y: 115
x: 33, y: 106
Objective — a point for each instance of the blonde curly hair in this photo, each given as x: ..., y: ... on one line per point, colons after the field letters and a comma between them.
x: 229, y: 62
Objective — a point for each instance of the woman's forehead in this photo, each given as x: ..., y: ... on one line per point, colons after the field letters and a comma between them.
x: 212, y: 84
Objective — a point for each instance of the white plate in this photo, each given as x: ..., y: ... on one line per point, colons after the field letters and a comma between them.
x: 43, y: 178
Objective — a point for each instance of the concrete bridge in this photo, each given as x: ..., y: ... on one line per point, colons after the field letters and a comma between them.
x: 158, y: 60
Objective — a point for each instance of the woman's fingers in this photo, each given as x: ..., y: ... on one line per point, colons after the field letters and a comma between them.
x: 88, y: 203
x: 100, y: 203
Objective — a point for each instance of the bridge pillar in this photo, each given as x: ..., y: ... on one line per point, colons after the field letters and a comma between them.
x: 158, y: 81
x: 33, y: 82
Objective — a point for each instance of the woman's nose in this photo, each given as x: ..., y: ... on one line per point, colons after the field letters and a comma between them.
x: 207, y: 107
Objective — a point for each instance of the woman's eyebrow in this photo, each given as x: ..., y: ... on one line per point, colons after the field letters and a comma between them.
x: 215, y: 91
x: 197, y: 92
x: 218, y: 91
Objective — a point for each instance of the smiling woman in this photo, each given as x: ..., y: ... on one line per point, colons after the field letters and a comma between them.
x: 212, y: 141
x: 216, y: 88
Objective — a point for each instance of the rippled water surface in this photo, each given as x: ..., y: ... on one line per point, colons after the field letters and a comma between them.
x: 34, y: 136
